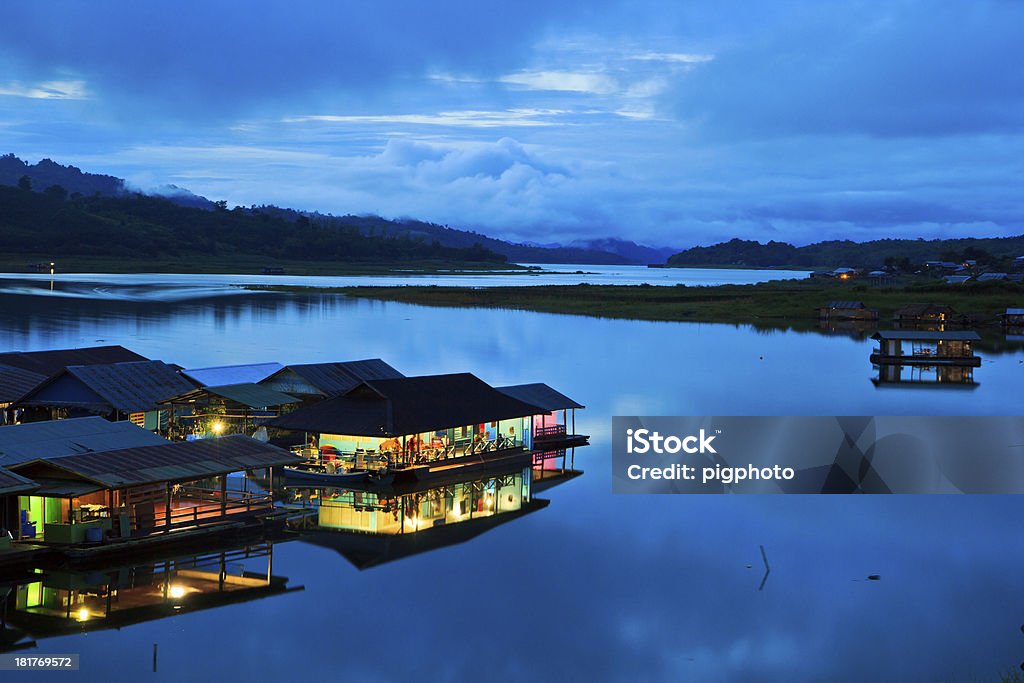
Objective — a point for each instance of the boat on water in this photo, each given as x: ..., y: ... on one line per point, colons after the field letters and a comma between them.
x: 318, y: 477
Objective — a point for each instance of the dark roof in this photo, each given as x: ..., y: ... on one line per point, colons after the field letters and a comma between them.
x: 922, y: 309
x: 246, y: 394
x: 16, y: 382
x: 11, y: 482
x: 407, y: 405
x: 127, y: 387
x: 845, y: 304
x: 56, y: 438
x: 65, y: 488
x: 51, y: 362
x: 333, y: 379
x: 540, y: 395
x: 222, y: 375
x: 169, y: 462
x: 921, y: 335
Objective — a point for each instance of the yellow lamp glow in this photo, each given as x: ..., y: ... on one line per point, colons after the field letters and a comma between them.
x: 218, y: 427
x: 176, y: 592
x: 83, y: 614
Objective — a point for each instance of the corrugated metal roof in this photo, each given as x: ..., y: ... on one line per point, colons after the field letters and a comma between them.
x: 333, y: 379
x: 407, y: 405
x: 65, y: 488
x: 1014, y: 311
x: 988, y: 277
x: 845, y: 304
x: 11, y: 482
x: 128, y: 387
x: 16, y: 382
x: 56, y: 438
x: 222, y: 375
x: 540, y: 395
x: 922, y: 335
x: 252, y: 395
x: 53, y: 361
x: 170, y: 462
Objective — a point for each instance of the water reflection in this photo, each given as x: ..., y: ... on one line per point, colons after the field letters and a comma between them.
x: 50, y: 602
x: 926, y: 376
x: 625, y: 587
x: 369, y: 528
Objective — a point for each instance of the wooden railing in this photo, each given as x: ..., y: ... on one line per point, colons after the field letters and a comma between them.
x: 553, y: 430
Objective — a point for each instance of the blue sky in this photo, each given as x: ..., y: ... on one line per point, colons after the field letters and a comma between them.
x: 669, y: 123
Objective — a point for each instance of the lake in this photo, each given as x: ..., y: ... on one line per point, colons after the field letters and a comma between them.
x: 595, y: 585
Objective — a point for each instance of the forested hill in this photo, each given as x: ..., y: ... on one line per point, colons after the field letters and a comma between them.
x: 135, y: 226
x: 843, y: 253
x: 41, y: 176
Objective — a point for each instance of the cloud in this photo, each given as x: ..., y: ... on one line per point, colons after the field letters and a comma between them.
x: 566, y: 81
x: 46, y: 90
x: 468, y: 118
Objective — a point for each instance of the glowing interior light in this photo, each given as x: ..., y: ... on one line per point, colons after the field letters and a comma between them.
x: 83, y: 614
x: 218, y: 427
x: 177, y: 592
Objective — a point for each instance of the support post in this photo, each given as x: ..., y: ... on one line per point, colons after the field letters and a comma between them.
x: 167, y: 509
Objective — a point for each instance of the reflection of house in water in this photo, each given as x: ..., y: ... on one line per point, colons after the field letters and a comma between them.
x: 925, y: 348
x: 1013, y: 324
x: 924, y: 315
x: 373, y: 527
x: 945, y: 376
x: 61, y: 602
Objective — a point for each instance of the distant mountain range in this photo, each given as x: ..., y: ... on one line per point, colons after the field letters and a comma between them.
x: 607, y: 251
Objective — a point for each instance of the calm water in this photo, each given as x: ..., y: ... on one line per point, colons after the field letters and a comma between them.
x: 169, y: 287
x: 594, y: 586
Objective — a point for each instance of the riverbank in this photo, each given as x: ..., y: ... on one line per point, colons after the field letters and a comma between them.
x: 782, y: 302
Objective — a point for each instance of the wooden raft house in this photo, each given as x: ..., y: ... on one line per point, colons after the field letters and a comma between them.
x: 118, y: 391
x: 846, y: 310
x: 120, y: 495
x: 220, y: 410
x: 926, y: 348
x: 416, y: 427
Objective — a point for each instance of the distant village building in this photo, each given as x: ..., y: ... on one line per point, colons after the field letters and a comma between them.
x: 991, y: 277
x: 924, y: 313
x: 847, y: 310
x: 1018, y: 262
x: 845, y: 273
x: 957, y: 279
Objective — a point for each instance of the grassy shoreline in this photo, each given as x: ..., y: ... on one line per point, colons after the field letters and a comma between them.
x: 780, y: 302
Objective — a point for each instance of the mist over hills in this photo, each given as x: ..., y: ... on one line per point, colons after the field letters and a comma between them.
x: 77, y: 183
